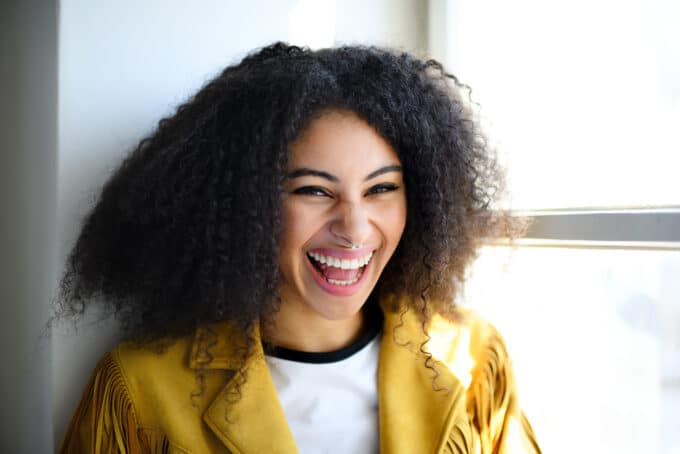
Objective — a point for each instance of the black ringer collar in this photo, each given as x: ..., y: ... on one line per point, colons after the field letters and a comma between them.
x: 374, y: 322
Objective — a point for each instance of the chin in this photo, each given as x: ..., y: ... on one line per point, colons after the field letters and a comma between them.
x: 337, y: 313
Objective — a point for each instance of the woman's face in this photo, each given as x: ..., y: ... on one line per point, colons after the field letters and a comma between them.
x: 344, y: 187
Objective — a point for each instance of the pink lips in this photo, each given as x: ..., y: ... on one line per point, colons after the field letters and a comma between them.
x: 339, y: 290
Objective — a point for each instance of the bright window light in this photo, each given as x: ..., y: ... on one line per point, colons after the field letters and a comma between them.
x: 582, y: 97
x: 594, y: 339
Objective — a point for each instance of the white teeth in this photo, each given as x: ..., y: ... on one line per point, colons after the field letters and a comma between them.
x: 337, y: 282
x: 344, y: 264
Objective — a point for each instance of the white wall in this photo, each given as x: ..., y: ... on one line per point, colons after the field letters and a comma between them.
x: 125, y: 64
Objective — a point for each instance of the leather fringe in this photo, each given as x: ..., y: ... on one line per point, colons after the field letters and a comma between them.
x: 460, y: 440
x: 105, y: 421
x: 492, y: 403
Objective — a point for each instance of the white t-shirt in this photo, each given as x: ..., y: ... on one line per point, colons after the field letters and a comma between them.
x: 331, y: 399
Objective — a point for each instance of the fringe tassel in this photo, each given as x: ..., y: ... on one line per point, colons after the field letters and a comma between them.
x: 154, y: 441
x: 105, y: 421
x: 460, y: 440
x: 490, y: 388
x: 492, y: 401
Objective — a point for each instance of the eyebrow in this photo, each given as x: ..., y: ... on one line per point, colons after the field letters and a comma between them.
x: 382, y: 170
x: 305, y: 172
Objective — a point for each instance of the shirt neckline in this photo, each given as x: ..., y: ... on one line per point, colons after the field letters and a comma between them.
x: 374, y: 319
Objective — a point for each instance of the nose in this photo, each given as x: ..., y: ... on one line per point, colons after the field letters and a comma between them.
x: 351, y: 225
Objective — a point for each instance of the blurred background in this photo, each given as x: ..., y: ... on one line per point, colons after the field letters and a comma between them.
x: 580, y: 98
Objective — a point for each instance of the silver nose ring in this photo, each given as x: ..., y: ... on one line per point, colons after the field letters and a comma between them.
x: 349, y: 243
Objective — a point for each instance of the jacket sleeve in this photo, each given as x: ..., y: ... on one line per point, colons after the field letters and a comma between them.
x: 493, y: 403
x: 105, y: 420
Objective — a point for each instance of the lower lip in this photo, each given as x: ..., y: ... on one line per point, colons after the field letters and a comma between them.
x: 337, y: 290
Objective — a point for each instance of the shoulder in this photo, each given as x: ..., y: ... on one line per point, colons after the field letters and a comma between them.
x: 107, y: 418
x: 153, y: 375
x: 140, y: 364
x: 474, y: 350
x: 144, y: 396
x: 464, y: 342
x: 467, y: 344
x: 169, y: 375
x: 148, y: 375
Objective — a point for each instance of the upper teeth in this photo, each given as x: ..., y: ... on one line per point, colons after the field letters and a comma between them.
x: 344, y: 264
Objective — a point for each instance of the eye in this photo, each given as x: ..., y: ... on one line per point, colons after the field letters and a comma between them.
x: 382, y: 188
x: 316, y: 191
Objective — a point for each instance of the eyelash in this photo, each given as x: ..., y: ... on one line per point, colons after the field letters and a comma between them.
x: 311, y: 190
x: 382, y: 188
x: 321, y: 192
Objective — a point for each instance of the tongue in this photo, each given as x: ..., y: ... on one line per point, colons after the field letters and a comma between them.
x: 338, y: 274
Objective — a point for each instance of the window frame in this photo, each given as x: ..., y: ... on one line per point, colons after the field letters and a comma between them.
x: 651, y: 228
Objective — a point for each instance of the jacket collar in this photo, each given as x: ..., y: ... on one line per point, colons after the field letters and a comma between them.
x: 415, y: 411
x: 417, y: 405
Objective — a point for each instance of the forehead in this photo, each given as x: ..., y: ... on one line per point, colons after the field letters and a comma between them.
x: 339, y: 139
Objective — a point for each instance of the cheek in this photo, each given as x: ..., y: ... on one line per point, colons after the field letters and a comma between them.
x: 298, y: 228
x: 289, y: 234
x: 395, y: 222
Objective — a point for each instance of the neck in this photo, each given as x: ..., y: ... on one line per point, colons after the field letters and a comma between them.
x: 291, y: 330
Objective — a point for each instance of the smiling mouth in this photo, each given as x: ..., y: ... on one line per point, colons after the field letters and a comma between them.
x: 341, y: 272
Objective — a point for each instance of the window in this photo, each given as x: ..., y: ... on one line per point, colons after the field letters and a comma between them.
x: 582, y: 100
x: 582, y: 97
x: 594, y: 339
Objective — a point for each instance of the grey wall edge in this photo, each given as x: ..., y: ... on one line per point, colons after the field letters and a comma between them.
x: 28, y: 174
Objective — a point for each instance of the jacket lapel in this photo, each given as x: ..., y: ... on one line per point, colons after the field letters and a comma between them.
x: 247, y: 418
x: 416, y: 414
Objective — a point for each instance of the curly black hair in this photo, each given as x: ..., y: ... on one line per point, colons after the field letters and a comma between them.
x: 185, y: 232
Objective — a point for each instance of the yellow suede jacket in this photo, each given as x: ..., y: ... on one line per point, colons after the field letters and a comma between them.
x: 140, y: 401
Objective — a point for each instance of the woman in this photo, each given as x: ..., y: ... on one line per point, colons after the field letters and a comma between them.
x: 284, y: 253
